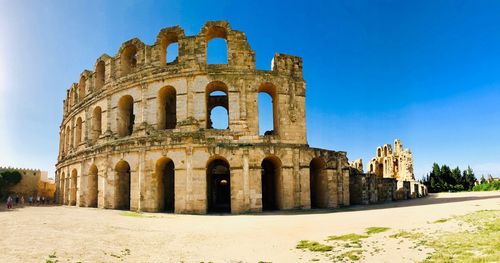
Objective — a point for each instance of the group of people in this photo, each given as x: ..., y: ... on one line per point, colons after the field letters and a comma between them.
x: 32, y: 200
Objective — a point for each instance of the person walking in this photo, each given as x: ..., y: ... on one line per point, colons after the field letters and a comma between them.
x: 17, y: 199
x: 30, y: 200
x: 22, y: 200
x: 9, y: 202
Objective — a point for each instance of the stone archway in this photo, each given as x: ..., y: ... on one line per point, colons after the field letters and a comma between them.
x: 271, y: 184
x: 122, y: 185
x: 318, y: 183
x: 92, y: 186
x: 218, y: 186
x: 165, y: 179
x: 73, y: 187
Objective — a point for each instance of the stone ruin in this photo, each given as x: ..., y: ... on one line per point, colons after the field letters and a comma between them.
x: 137, y: 132
x: 390, y: 177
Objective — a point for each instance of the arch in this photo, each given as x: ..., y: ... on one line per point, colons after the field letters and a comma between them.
x: 125, y: 116
x: 271, y: 90
x: 216, y: 95
x: 271, y: 184
x: 96, y: 124
x: 73, y: 187
x: 81, y: 88
x: 100, y: 74
x: 385, y: 150
x: 318, y: 183
x: 92, y: 186
x: 167, y: 108
x: 61, y: 187
x: 219, y: 47
x: 165, y: 184
x: 218, y: 186
x: 78, y: 131
x: 379, y: 152
x: 68, y: 135
x: 122, y: 185
x: 128, y: 59
x: 168, y: 41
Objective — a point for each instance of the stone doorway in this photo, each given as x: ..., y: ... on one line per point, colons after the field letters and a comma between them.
x: 219, y: 187
x: 165, y: 173
x: 271, y: 184
x: 123, y: 185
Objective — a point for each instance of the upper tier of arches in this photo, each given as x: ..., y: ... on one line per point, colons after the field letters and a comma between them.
x: 134, y: 58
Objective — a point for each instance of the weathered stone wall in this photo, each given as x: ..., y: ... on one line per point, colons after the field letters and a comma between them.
x: 117, y: 132
x: 371, y: 189
x: 33, y: 183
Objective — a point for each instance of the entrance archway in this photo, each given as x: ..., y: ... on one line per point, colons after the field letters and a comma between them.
x: 218, y: 186
x: 318, y: 183
x: 165, y: 178
x: 271, y: 184
x: 92, y: 188
x: 74, y: 175
x: 122, y: 190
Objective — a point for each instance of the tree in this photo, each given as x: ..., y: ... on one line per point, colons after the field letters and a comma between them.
x: 8, y: 179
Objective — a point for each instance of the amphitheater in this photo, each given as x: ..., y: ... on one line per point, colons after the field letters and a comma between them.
x: 137, y: 133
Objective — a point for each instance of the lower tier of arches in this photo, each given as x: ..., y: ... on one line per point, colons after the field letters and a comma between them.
x: 200, y: 179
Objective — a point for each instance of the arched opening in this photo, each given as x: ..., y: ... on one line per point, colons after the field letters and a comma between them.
x: 78, y: 135
x: 268, y: 109
x: 125, y: 116
x: 379, y: 152
x: 219, y: 118
x: 218, y: 186
x: 92, y: 186
x: 380, y: 170
x: 385, y: 150
x: 172, y: 53
x: 318, y: 183
x: 61, y: 187
x: 217, y: 96
x: 167, y: 108
x: 100, y: 73
x: 217, y: 51
x: 271, y: 184
x: 96, y: 123
x: 165, y: 178
x: 169, y: 48
x: 128, y: 59
x: 68, y: 135
x: 81, y: 89
x: 67, y: 191
x: 122, y: 184
x: 371, y: 168
x: 73, y: 187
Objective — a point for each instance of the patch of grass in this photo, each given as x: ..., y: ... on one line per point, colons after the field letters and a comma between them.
x: 132, y: 214
x: 407, y: 234
x: 470, y: 246
x: 347, y: 237
x: 53, y: 255
x: 442, y: 220
x: 353, y: 255
x: 313, y: 246
x: 376, y: 230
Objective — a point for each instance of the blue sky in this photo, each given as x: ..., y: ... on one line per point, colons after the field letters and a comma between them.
x: 427, y: 72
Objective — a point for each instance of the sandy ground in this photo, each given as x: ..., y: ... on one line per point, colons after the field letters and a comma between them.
x: 31, y: 234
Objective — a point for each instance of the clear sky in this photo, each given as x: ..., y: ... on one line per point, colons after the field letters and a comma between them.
x: 427, y: 72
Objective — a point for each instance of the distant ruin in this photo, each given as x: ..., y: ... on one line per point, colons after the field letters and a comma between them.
x: 390, y: 177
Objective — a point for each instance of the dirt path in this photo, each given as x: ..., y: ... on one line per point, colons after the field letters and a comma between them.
x: 34, y: 234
